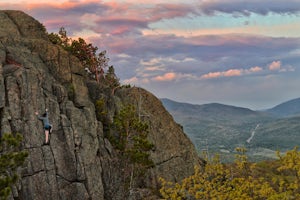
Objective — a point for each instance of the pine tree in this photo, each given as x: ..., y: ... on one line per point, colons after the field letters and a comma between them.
x: 133, y: 143
x: 10, y: 159
x: 85, y: 52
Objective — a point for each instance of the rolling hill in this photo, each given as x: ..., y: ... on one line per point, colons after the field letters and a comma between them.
x: 221, y: 128
x: 286, y: 109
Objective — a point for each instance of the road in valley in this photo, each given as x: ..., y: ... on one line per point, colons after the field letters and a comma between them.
x: 252, y: 134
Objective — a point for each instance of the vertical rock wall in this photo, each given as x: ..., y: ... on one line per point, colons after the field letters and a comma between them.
x: 36, y: 75
x: 79, y: 163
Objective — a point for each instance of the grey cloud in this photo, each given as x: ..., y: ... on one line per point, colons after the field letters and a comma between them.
x: 207, y: 53
x: 230, y: 46
x: 120, y: 19
x: 224, y: 53
x: 245, y: 8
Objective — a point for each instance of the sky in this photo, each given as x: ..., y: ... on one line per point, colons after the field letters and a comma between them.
x: 236, y: 52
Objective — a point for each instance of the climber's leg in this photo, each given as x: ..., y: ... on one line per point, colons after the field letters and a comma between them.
x: 46, y: 136
x: 50, y: 131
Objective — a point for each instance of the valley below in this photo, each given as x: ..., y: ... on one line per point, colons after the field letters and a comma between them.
x: 219, y: 129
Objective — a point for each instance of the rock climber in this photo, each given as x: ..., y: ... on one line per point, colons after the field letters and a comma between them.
x: 47, y: 125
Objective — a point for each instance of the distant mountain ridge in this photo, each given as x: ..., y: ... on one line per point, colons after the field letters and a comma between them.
x: 204, y: 107
x: 286, y: 109
x: 221, y: 128
x: 211, y: 110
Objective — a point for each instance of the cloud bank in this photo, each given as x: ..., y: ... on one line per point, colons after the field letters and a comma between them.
x: 223, y: 48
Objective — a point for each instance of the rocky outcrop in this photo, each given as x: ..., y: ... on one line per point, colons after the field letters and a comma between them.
x: 79, y: 163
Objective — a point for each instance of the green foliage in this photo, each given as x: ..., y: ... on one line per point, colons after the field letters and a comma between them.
x: 132, y: 133
x: 126, y: 86
x: 227, y: 127
x: 55, y: 38
x: 138, y: 153
x: 241, y: 180
x: 65, y: 40
x: 87, y: 54
x: 289, y: 184
x: 111, y: 79
x: 84, y: 51
x: 101, y: 111
x: 42, y: 28
x: 131, y: 140
x: 71, y: 91
x: 10, y: 159
x: 241, y: 161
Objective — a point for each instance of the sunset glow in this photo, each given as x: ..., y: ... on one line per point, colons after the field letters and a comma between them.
x: 173, y: 48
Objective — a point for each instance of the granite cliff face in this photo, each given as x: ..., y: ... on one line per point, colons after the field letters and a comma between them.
x: 79, y: 163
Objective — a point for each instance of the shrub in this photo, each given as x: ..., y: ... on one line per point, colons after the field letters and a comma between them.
x: 10, y: 159
x: 239, y: 180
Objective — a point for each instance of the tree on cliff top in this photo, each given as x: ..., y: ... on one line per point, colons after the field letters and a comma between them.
x: 10, y: 159
x: 87, y: 54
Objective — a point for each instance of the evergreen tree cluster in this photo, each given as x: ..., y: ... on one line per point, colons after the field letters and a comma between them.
x: 129, y: 136
x: 11, y: 157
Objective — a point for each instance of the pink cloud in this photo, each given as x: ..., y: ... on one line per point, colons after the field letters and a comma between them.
x: 65, y: 5
x: 275, y: 65
x: 131, y: 80
x: 228, y: 73
x: 55, y: 23
x: 255, y: 69
x: 116, y: 45
x: 166, y: 77
x: 231, y: 72
x: 171, y: 76
x: 113, y: 17
x: 120, y: 30
x: 212, y: 75
x: 154, y: 68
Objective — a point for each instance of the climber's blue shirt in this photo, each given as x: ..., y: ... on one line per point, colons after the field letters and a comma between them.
x: 45, y: 121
